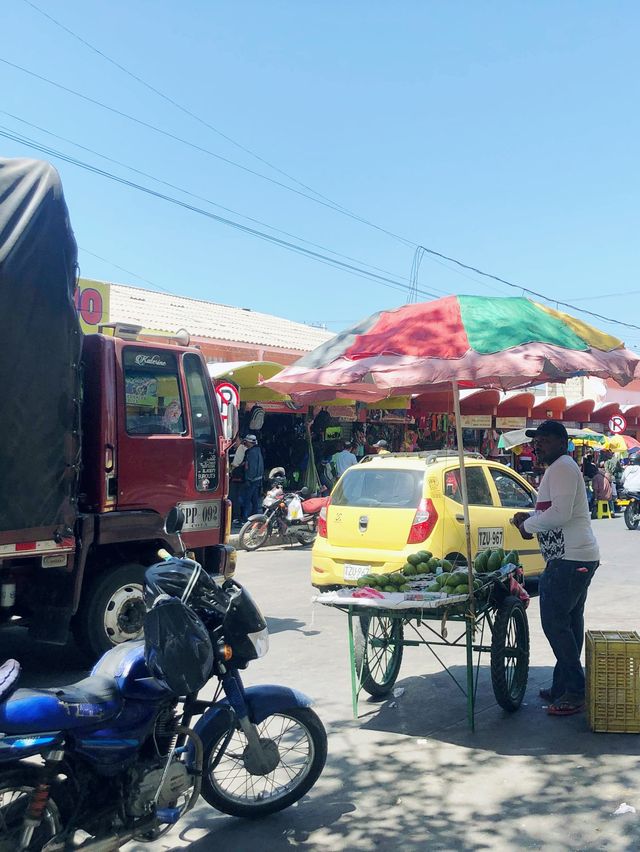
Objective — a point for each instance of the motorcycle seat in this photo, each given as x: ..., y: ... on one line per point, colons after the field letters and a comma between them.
x: 80, y: 705
x: 313, y: 505
x: 9, y: 674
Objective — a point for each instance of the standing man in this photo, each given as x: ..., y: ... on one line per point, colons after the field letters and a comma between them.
x: 344, y: 459
x: 382, y: 447
x: 236, y: 479
x: 563, y: 525
x: 253, y: 474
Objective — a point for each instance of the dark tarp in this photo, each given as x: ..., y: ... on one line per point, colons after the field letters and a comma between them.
x: 39, y: 360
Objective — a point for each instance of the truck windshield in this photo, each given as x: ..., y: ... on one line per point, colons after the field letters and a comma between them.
x: 152, y: 387
x: 204, y: 434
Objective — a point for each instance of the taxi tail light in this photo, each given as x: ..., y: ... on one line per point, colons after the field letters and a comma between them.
x: 322, y: 519
x: 423, y: 522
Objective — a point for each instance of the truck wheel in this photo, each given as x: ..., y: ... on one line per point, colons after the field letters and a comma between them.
x: 112, y: 609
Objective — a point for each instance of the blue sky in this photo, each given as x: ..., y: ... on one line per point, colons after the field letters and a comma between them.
x: 504, y: 134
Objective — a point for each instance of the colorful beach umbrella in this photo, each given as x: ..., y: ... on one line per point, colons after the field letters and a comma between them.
x: 475, y: 341
x: 622, y: 443
x: 457, y: 342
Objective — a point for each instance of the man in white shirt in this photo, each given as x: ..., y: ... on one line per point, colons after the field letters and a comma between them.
x: 344, y: 459
x: 562, y: 522
x: 631, y: 475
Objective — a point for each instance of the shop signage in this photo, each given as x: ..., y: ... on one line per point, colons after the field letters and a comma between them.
x: 617, y: 424
x: 475, y: 421
x: 92, y: 304
x: 511, y: 422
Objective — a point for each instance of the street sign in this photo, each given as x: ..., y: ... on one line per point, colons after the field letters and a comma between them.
x: 227, y: 394
x: 617, y: 424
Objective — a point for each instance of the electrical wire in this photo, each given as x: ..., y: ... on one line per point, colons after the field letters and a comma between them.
x: 155, y: 129
x: 128, y: 271
x: 331, y: 261
x: 194, y: 194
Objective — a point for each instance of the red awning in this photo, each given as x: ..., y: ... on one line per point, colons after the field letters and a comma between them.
x: 441, y: 402
x: 604, y: 413
x: 580, y: 412
x: 552, y: 408
x: 516, y: 405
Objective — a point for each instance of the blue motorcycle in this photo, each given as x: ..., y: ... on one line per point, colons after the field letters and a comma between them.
x: 117, y: 757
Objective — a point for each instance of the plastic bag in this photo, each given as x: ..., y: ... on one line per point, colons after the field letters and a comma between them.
x: 294, y: 509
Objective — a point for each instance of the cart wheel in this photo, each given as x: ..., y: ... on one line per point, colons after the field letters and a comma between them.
x: 378, y: 652
x: 510, y: 654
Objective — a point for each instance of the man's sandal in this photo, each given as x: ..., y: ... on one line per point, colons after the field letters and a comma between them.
x: 546, y: 695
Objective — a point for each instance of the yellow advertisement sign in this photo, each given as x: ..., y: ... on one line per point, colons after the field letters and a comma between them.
x: 92, y: 303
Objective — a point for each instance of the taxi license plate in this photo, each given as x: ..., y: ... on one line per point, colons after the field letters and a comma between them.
x: 354, y: 572
x: 490, y: 537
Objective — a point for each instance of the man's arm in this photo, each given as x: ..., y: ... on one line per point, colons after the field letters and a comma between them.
x: 562, y: 490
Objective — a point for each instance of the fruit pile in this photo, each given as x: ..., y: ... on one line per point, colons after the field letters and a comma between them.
x: 439, y: 574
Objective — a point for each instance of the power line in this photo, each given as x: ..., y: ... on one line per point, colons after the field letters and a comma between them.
x: 193, y: 194
x: 128, y: 271
x: 175, y: 103
x: 331, y: 261
x: 329, y: 204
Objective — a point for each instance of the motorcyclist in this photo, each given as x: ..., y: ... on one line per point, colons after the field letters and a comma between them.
x: 631, y: 476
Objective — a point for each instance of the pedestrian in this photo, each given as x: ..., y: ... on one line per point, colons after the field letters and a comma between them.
x: 589, y: 467
x: 569, y: 548
x: 382, y: 447
x: 236, y: 479
x: 343, y: 459
x: 250, y: 493
x: 602, y: 490
x: 631, y: 475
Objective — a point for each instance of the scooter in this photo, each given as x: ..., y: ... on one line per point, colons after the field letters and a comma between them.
x: 117, y: 757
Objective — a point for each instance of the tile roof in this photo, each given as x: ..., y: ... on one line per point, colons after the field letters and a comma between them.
x: 164, y: 312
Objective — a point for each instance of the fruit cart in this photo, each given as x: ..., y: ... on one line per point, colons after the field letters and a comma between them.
x: 492, y: 619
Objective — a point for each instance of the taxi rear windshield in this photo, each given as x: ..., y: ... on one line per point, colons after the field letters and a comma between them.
x: 382, y: 489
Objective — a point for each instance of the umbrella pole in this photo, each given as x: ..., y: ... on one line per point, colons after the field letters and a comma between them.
x: 465, y: 495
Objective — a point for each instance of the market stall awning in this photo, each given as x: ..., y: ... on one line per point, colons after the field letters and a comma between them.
x: 441, y: 402
x: 516, y: 404
x: 518, y: 437
x: 580, y: 411
x: 552, y: 408
x: 604, y: 413
x: 247, y: 375
x: 631, y: 415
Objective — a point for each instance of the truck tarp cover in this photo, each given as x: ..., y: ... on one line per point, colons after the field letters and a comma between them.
x: 41, y: 341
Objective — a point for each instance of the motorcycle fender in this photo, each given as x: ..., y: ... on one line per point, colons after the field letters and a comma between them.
x: 262, y: 701
x: 257, y: 518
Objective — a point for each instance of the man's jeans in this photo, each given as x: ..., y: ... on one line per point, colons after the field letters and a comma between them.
x: 563, y: 593
x: 250, y: 503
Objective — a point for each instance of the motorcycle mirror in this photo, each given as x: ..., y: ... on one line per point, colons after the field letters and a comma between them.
x: 174, y: 522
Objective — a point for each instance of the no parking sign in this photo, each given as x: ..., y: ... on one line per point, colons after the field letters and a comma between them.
x: 617, y: 424
x: 227, y: 394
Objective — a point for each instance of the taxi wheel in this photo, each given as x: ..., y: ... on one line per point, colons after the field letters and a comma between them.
x: 378, y: 652
x: 510, y: 654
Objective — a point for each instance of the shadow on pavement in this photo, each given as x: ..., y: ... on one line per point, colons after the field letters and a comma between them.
x: 280, y: 625
x: 42, y: 664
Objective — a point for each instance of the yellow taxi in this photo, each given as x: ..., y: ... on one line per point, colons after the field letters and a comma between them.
x: 391, y: 505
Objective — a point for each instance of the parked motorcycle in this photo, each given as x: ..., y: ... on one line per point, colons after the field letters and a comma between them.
x: 632, y: 511
x: 119, y: 756
x: 284, y: 515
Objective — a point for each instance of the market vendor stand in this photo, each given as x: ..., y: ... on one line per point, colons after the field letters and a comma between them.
x: 376, y: 630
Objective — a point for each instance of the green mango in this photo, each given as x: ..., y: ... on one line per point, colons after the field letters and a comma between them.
x: 423, y: 568
x: 480, y: 562
x: 495, y: 562
x: 414, y: 558
x: 434, y: 563
x: 389, y: 589
x: 446, y: 565
x: 461, y: 590
x: 425, y: 555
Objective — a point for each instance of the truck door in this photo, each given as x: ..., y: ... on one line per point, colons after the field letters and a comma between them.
x: 155, y: 449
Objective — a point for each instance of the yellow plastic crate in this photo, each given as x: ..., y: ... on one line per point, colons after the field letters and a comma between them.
x: 613, y: 681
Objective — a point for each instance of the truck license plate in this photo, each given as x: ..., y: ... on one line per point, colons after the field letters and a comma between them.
x: 201, y: 515
x: 354, y: 572
x: 490, y: 537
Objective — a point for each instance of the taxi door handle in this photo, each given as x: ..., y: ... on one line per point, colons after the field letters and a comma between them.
x: 460, y: 518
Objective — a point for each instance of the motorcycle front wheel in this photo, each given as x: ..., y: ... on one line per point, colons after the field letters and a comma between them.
x: 295, y: 743
x: 16, y: 789
x: 253, y: 535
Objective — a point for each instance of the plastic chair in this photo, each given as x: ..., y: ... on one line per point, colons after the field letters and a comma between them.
x: 603, y: 510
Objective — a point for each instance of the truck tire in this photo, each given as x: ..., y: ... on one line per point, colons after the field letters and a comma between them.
x: 112, y: 609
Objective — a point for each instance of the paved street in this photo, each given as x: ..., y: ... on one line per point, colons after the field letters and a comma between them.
x: 408, y: 774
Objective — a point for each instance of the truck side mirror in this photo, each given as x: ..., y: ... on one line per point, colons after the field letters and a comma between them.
x: 174, y: 522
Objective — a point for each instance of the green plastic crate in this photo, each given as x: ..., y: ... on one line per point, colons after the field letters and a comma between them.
x: 613, y: 681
